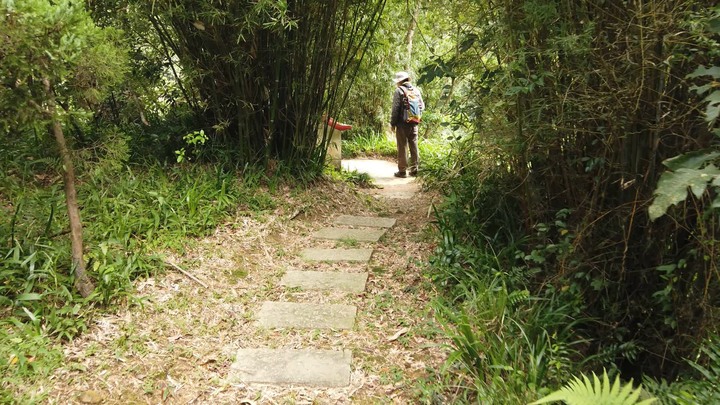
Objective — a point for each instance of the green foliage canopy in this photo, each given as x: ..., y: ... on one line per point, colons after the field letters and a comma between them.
x: 59, y: 43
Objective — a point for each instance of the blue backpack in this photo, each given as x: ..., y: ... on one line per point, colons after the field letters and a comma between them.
x: 412, y: 113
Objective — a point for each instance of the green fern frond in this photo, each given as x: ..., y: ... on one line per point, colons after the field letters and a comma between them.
x: 517, y: 297
x: 585, y: 392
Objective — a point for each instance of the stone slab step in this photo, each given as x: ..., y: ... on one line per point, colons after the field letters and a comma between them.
x: 360, y: 235
x: 322, y: 280
x: 337, y: 255
x: 322, y: 368
x: 306, y: 316
x: 372, y: 222
x: 401, y: 192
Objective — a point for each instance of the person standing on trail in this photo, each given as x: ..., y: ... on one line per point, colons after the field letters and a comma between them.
x: 407, y: 107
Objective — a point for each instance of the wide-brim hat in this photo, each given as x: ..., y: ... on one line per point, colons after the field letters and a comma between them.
x: 400, y: 76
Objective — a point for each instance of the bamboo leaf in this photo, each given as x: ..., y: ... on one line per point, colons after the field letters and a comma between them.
x: 29, y: 297
x: 30, y: 314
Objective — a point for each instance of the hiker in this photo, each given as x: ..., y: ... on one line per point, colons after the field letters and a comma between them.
x: 407, y: 107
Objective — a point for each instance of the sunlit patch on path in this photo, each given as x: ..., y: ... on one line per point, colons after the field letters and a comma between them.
x: 381, y: 171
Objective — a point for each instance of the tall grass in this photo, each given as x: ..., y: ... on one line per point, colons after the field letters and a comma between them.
x: 128, y: 216
x: 368, y: 143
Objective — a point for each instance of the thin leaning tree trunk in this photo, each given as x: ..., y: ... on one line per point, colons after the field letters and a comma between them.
x: 82, y: 281
x: 410, y: 35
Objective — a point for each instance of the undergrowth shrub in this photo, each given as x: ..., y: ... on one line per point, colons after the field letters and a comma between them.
x: 700, y: 385
x: 25, y: 352
x: 509, y: 344
x: 580, y: 145
x: 510, y: 339
x: 129, y: 215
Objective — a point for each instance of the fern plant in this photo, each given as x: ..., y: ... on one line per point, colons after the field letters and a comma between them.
x: 585, y: 392
x: 702, y: 388
x: 707, y: 389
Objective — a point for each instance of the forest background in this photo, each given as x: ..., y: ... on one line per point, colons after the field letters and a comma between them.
x: 578, y: 161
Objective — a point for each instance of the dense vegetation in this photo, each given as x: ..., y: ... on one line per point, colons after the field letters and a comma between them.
x: 569, y: 223
x: 579, y: 227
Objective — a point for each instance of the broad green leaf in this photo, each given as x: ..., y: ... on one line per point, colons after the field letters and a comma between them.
x: 713, y: 71
x: 672, y: 188
x: 716, y: 202
x: 699, y: 184
x: 713, y: 108
x: 691, y: 160
x: 713, y: 97
x: 701, y: 89
x: 666, y: 268
x: 714, y: 26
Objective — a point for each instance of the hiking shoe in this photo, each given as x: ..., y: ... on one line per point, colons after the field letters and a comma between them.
x: 413, y: 173
x: 400, y: 174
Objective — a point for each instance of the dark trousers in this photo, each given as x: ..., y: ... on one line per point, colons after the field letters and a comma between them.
x: 407, y: 137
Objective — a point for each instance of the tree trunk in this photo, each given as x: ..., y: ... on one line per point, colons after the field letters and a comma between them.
x: 411, y: 34
x: 82, y: 281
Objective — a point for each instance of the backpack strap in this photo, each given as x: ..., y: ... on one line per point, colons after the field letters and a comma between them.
x: 406, y: 90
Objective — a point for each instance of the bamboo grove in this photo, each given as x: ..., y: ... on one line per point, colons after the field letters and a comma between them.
x: 257, y: 76
x: 582, y: 103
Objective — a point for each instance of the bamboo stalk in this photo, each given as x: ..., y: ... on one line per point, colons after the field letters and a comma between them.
x: 184, y: 272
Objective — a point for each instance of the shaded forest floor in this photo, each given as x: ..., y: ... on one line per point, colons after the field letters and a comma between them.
x: 176, y: 341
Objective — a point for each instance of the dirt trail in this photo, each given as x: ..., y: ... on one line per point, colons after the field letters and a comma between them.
x: 177, y: 343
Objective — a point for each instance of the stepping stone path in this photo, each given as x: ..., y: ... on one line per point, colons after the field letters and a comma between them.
x: 381, y: 172
x: 322, y: 280
x: 311, y: 367
x: 328, y: 368
x: 337, y: 255
x: 323, y: 368
x: 308, y: 316
x: 359, y: 235
x: 377, y: 222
